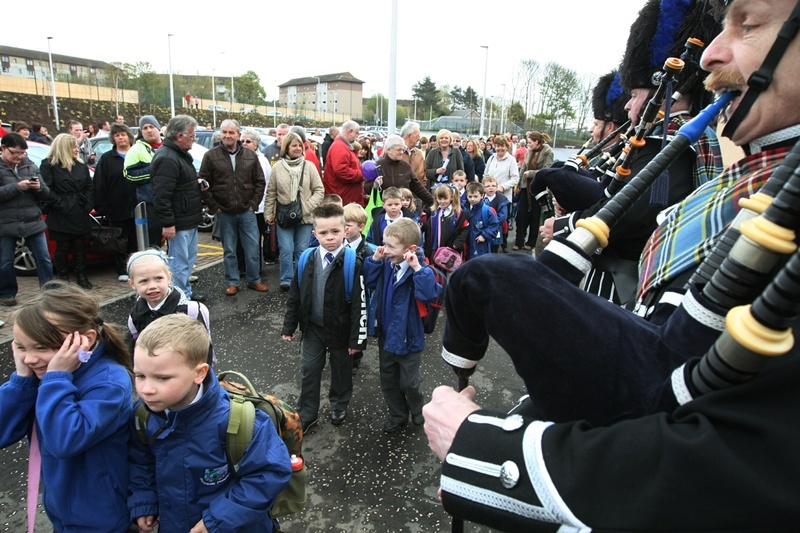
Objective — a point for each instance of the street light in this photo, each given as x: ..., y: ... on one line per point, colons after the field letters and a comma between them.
x: 171, y: 85
x: 503, y: 111
x: 316, y: 100
x: 483, y: 100
x: 53, y: 83
x: 214, y: 95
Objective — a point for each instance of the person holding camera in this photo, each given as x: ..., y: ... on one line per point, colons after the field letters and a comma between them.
x: 294, y: 190
x: 21, y: 190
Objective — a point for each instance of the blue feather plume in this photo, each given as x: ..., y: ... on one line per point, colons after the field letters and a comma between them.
x: 670, y: 19
x: 614, y: 91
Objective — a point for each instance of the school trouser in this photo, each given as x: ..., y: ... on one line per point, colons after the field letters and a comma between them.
x: 400, y: 382
x: 313, y: 362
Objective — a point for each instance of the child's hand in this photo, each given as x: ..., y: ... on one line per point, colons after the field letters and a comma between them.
x: 66, y: 359
x: 287, y: 337
x: 199, y: 527
x: 412, y: 260
x: 147, y: 523
x: 380, y: 253
x: 22, y: 369
x: 480, y: 238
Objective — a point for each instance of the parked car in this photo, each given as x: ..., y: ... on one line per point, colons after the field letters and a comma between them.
x: 25, y: 262
x: 273, y: 114
x: 218, y: 108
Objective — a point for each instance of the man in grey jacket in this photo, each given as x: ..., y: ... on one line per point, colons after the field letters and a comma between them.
x: 21, y: 190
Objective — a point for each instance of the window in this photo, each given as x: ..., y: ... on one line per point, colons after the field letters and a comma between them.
x: 30, y: 65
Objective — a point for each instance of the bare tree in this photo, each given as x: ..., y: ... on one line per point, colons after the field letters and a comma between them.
x: 583, y: 100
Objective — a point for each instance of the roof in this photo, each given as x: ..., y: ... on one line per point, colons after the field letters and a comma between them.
x: 57, y: 58
x: 325, y: 78
x: 463, y: 113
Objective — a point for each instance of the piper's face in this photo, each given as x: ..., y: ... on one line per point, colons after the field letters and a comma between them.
x: 750, y: 30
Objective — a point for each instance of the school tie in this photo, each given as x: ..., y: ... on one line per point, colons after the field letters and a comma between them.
x: 328, y: 259
x: 395, y: 273
x: 34, y: 471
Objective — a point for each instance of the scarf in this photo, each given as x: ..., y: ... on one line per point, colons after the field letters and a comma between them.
x: 295, y: 168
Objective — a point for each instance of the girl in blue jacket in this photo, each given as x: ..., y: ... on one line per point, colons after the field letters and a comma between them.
x: 71, y: 395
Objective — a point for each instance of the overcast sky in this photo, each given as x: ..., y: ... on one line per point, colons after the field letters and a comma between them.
x: 437, y: 39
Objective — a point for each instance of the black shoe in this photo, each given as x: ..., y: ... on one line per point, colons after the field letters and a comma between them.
x: 284, y: 287
x: 308, y: 425
x: 338, y: 416
x: 198, y: 297
x: 418, y: 420
x: 355, y: 369
x: 390, y: 426
x: 83, y: 281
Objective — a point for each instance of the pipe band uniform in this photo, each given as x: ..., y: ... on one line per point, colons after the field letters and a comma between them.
x: 683, y: 415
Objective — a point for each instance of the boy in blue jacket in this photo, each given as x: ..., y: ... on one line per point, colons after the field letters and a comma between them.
x: 483, y: 224
x: 182, y: 478
x: 391, y: 211
x: 501, y: 207
x: 398, y: 280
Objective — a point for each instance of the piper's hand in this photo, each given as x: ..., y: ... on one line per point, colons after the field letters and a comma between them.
x: 380, y: 253
x: 66, y: 359
x: 546, y: 230
x: 147, y: 523
x: 560, y: 211
x: 199, y: 527
x: 444, y: 414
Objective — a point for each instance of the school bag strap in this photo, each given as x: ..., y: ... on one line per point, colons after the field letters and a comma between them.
x: 349, y: 269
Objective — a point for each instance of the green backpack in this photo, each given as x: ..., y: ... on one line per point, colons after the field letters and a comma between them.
x: 241, y: 423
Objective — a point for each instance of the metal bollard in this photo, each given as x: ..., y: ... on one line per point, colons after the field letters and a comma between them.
x: 140, y: 218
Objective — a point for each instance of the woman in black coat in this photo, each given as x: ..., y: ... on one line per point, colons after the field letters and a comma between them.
x: 68, y: 206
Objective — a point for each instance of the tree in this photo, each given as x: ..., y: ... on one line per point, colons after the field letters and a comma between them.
x: 427, y: 94
x: 471, y: 99
x: 457, y: 96
x: 515, y: 113
x: 583, y: 100
x: 557, y: 90
x: 145, y: 80
x: 249, y: 90
x: 524, y: 84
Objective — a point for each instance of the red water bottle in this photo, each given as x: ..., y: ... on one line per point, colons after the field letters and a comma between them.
x: 297, y: 462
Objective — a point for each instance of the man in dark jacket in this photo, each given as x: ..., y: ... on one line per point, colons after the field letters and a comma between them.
x: 21, y: 190
x: 236, y: 187
x: 333, y: 132
x: 176, y: 197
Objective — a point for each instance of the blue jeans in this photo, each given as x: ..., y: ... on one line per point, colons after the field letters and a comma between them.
x: 291, y: 243
x: 182, y: 255
x: 232, y: 228
x: 37, y: 244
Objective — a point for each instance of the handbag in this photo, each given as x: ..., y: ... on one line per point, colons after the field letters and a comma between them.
x: 291, y: 214
x: 445, y: 257
x: 107, y: 240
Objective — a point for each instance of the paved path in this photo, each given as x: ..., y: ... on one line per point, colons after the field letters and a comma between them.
x: 360, y: 479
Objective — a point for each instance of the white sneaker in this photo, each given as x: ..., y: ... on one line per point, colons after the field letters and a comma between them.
x: 123, y: 277
x: 193, y: 278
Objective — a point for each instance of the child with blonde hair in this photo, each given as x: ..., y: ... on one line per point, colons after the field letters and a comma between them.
x: 149, y: 275
x: 71, y: 395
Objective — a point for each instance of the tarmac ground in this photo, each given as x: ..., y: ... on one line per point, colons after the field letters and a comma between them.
x: 360, y: 478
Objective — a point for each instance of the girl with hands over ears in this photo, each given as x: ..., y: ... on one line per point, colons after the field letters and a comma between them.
x: 71, y: 395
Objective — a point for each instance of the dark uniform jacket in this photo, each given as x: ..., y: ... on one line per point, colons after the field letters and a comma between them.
x: 344, y: 323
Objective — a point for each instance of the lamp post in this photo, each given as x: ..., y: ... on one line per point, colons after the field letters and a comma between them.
x: 53, y: 83
x: 483, y: 100
x: 171, y: 84
x: 503, y: 111
x: 214, y: 96
x: 316, y: 100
